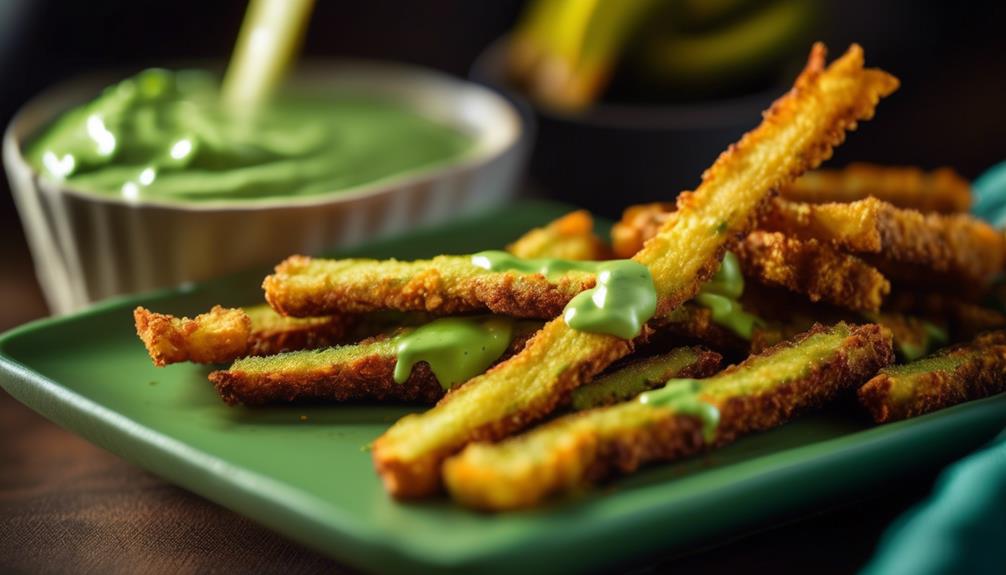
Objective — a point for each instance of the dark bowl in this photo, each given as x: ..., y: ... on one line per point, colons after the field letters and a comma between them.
x: 613, y: 155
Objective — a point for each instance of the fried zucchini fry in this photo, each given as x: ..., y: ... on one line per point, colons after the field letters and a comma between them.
x: 965, y: 320
x: 638, y: 224
x: 644, y: 374
x: 958, y: 245
x: 941, y: 190
x: 776, y: 260
x: 814, y: 269
x: 225, y: 334
x: 570, y: 237
x: 446, y: 285
x: 359, y: 371
x: 951, y: 376
x: 796, y: 134
x: 764, y: 391
x: 220, y: 333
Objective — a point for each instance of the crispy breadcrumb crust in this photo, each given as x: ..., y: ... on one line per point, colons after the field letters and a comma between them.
x: 217, y: 336
x: 305, y: 287
x: 958, y: 246
x: 781, y: 261
x: 809, y: 267
x: 570, y: 237
x: 639, y: 223
x: 966, y: 320
x: 353, y: 372
x: 949, y: 377
x: 564, y: 455
x: 623, y: 382
x: 796, y: 134
x: 225, y: 334
x: 941, y: 190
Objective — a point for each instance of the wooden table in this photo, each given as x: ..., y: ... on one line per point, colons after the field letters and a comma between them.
x: 68, y: 506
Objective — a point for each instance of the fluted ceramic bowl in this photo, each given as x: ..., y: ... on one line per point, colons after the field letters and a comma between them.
x: 87, y: 247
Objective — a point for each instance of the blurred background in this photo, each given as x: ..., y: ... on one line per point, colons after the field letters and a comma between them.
x: 642, y: 136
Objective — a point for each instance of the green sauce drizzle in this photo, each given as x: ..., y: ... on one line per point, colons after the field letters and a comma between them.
x: 495, y: 261
x: 682, y: 396
x: 623, y: 300
x: 166, y: 135
x: 720, y: 296
x: 456, y: 348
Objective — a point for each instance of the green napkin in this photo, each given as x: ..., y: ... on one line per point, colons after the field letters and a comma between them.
x: 961, y: 528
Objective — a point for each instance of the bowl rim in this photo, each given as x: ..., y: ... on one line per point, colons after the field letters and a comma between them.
x: 60, y: 97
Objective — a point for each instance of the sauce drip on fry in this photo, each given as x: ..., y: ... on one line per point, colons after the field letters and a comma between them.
x: 682, y: 396
x: 456, y: 348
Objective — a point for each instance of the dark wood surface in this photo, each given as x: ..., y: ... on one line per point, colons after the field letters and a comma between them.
x: 68, y: 506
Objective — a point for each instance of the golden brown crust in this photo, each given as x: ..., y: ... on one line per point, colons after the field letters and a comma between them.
x: 225, y: 334
x: 941, y: 190
x: 586, y: 447
x: 570, y: 237
x: 958, y: 246
x: 797, y: 133
x: 867, y: 349
x: 965, y: 319
x: 281, y: 334
x: 786, y: 261
x: 366, y: 376
x: 952, y: 376
x: 639, y: 223
x: 693, y: 323
x: 814, y: 269
x: 217, y: 336
x: 306, y: 287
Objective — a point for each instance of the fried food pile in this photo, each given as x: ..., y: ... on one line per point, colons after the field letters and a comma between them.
x: 771, y: 289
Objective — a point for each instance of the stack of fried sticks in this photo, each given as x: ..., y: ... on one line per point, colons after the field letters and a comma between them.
x: 843, y: 270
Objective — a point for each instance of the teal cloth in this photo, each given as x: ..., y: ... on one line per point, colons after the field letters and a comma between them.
x: 961, y: 528
x: 990, y: 195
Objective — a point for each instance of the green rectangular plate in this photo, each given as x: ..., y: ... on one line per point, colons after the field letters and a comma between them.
x: 306, y: 472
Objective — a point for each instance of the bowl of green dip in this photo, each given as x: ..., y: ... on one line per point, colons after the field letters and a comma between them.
x: 130, y: 184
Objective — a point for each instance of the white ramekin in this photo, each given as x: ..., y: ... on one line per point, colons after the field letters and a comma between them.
x: 87, y: 247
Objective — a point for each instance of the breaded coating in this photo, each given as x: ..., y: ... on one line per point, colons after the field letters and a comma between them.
x: 274, y: 333
x: 364, y: 370
x: 763, y: 392
x: 628, y: 381
x: 225, y: 334
x: 218, y: 335
x: 570, y: 237
x: 796, y: 134
x: 445, y: 285
x: 638, y: 224
x: 958, y: 246
x: 783, y: 261
x: 965, y: 320
x: 951, y: 376
x: 942, y: 190
x: 691, y: 322
x: 913, y: 337
x: 816, y: 270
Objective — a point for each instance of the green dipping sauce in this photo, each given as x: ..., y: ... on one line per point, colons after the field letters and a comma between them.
x: 720, y: 295
x: 682, y: 396
x: 623, y: 300
x: 456, y: 348
x: 164, y: 135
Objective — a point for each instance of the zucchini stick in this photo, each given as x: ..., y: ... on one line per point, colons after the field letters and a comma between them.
x: 796, y: 134
x: 686, y: 417
x: 948, y: 377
